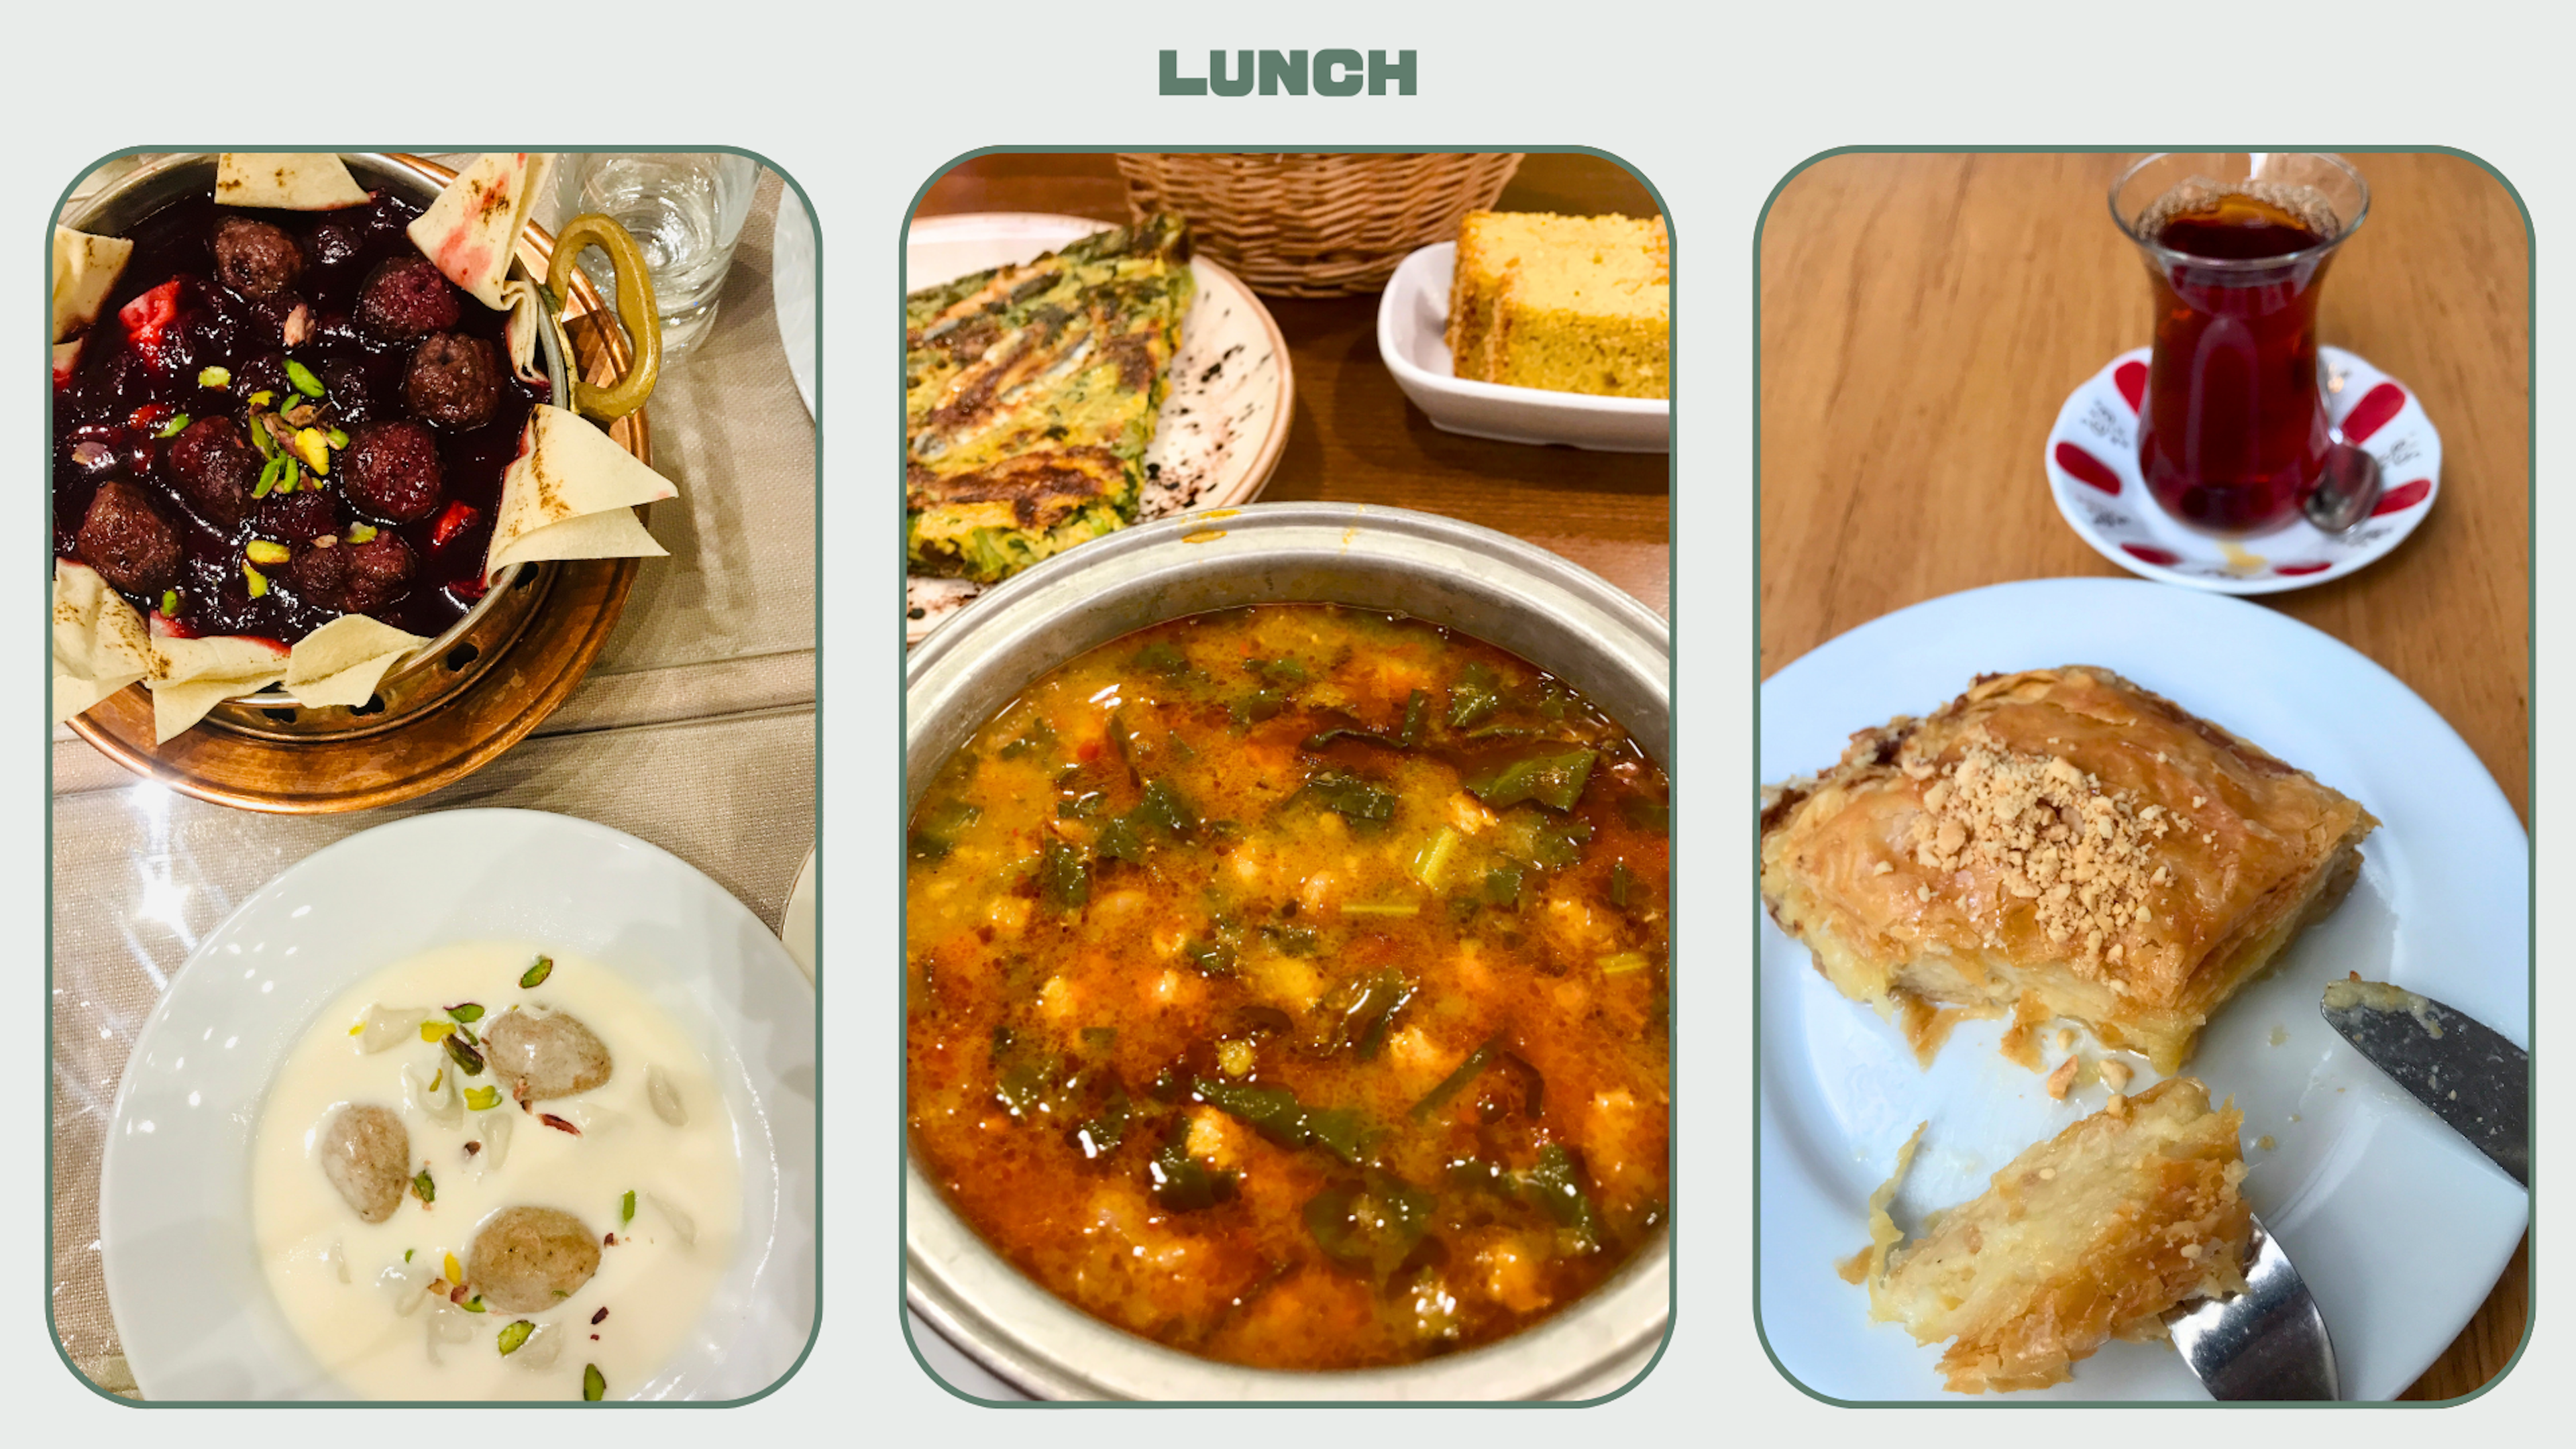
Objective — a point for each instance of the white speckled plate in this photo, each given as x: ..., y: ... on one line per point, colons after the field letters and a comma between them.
x: 1224, y: 423
x: 2398, y: 1225
x: 2092, y: 463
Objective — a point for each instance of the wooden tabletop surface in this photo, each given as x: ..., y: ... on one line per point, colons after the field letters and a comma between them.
x: 1924, y: 316
x: 1354, y: 437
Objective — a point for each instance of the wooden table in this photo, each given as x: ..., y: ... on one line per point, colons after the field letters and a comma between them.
x: 1922, y: 318
x: 1354, y: 437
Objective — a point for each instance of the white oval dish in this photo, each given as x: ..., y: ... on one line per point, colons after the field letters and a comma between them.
x: 1224, y: 423
x: 2398, y: 1225
x: 2092, y: 463
x: 1412, y: 336
x: 191, y: 1302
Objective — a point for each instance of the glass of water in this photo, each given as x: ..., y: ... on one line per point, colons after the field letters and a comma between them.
x: 685, y: 209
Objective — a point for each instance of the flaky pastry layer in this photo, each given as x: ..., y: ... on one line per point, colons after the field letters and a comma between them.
x: 2058, y: 843
x: 2089, y: 1236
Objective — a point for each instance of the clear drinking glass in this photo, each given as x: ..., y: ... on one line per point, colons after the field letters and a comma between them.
x: 2232, y: 433
x: 685, y: 210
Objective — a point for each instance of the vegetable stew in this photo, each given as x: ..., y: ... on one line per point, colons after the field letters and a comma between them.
x: 1288, y: 985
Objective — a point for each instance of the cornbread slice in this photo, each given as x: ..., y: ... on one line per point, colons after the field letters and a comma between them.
x: 1565, y: 303
x: 2089, y: 1236
x: 2057, y: 844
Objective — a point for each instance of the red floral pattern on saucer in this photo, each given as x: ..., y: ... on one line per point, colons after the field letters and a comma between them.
x: 2092, y: 462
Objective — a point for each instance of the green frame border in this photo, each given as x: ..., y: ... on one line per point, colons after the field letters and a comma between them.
x: 1672, y: 774
x: 2531, y: 737
x: 53, y: 1335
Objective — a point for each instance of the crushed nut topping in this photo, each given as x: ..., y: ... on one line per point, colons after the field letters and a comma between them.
x: 2063, y: 1078
x: 2115, y: 1075
x: 2082, y: 855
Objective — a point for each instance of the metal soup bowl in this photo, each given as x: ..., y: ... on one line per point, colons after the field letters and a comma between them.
x: 495, y: 619
x: 1558, y: 617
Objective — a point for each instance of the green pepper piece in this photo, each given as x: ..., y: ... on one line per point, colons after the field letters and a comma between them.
x: 1372, y: 1225
x: 1474, y: 698
x: 1100, y: 1133
x: 1210, y: 958
x: 1503, y: 886
x: 1161, y: 657
x: 1456, y: 1082
x: 1351, y: 796
x: 935, y: 829
x: 1362, y: 1010
x: 1417, y: 710
x: 1555, y: 1185
x: 1064, y: 877
x: 1181, y: 1182
x: 1649, y: 815
x: 1552, y: 775
x: 1559, y: 841
x: 1036, y: 738
x: 1619, y: 880
x: 1118, y: 841
x: 1165, y: 808
x: 1275, y: 1113
x: 1291, y: 940
x: 1080, y: 807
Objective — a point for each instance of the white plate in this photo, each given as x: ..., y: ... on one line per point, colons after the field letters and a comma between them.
x: 2398, y: 1225
x: 791, y: 289
x: 2092, y: 463
x: 1412, y: 335
x: 187, y: 1292
x: 1223, y: 424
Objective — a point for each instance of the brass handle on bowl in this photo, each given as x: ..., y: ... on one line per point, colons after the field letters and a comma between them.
x: 635, y: 308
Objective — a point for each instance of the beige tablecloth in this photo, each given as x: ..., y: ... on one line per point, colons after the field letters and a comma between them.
x: 695, y: 731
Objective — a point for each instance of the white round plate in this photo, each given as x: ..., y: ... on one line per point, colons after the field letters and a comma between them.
x: 1412, y: 335
x: 1223, y: 424
x: 791, y: 289
x: 2092, y: 462
x: 800, y: 924
x: 2399, y: 1226
x: 188, y: 1294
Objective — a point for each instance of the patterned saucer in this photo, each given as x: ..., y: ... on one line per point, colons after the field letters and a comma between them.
x: 2092, y: 462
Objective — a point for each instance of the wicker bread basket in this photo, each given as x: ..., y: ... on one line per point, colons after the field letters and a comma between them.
x: 1327, y: 225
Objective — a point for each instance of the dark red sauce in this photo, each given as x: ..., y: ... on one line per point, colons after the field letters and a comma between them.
x: 118, y: 397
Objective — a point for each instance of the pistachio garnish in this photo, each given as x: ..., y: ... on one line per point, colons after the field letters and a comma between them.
x: 514, y: 1334
x: 594, y: 1384
x: 424, y: 1188
x: 314, y: 449
x: 437, y: 1031
x: 257, y: 581
x: 536, y: 975
x: 338, y: 438
x: 178, y: 423
x: 473, y: 1304
x: 215, y: 377
x: 463, y: 1010
x: 170, y: 609
x: 482, y: 1099
x: 465, y: 1057
x: 626, y: 1209
x: 262, y: 398
x: 455, y: 1269
x: 263, y: 551
x: 358, y: 533
x: 303, y: 379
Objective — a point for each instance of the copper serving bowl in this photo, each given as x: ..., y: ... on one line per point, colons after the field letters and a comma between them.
x: 219, y: 759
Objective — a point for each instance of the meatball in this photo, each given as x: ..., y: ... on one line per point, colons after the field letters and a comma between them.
x: 407, y: 297
x: 128, y: 541
x: 453, y: 380
x: 254, y: 258
x: 298, y: 517
x: 392, y: 469
x: 215, y: 468
x: 528, y: 1259
x: 543, y: 1054
x: 354, y: 578
x: 367, y: 1155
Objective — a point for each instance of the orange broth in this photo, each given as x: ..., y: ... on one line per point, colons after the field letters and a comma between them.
x: 1288, y: 985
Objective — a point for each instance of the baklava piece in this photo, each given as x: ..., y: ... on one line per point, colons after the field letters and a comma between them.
x: 2089, y: 1236
x: 2055, y: 844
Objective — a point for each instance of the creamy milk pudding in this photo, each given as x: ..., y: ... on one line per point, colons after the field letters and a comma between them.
x: 495, y: 1171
